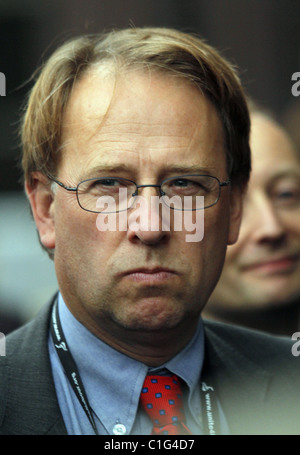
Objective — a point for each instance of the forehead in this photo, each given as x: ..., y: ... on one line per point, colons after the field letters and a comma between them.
x: 272, y: 149
x: 140, y: 111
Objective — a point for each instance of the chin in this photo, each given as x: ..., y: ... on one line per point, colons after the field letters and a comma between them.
x: 265, y: 302
x: 152, y: 316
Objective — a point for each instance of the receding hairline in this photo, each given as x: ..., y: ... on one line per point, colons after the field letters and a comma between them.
x: 109, y: 71
x: 159, y: 49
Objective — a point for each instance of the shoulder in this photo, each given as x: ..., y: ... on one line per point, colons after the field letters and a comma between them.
x: 249, y: 336
x: 25, y: 346
x: 256, y: 346
x: 30, y: 336
x: 255, y: 375
x: 25, y: 378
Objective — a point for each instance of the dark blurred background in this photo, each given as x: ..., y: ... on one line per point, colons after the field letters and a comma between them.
x: 262, y: 37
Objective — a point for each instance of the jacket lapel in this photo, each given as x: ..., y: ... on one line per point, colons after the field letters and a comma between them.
x: 241, y: 384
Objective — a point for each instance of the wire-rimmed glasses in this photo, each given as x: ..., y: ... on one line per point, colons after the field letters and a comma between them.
x: 121, y: 193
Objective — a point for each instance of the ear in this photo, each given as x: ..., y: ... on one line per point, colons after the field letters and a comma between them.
x: 236, y: 210
x: 41, y: 199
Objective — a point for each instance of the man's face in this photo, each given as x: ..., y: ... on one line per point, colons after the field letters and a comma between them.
x: 263, y: 268
x: 146, y: 128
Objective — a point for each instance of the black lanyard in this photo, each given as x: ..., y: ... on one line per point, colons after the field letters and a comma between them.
x: 209, y: 409
x: 209, y: 402
x: 69, y: 365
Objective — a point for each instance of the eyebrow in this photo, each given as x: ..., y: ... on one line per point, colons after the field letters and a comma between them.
x: 189, y: 169
x: 286, y: 173
x: 121, y: 168
x: 109, y: 169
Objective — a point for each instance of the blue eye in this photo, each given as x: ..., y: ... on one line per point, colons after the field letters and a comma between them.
x: 104, y: 186
x: 107, y: 182
x: 191, y: 186
x: 288, y: 197
x: 181, y: 182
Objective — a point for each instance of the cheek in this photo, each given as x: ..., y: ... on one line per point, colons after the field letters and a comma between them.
x: 291, y: 223
x: 216, y: 236
x: 75, y: 228
x: 82, y: 254
x: 216, y: 230
x: 230, y: 272
x: 206, y: 257
x: 233, y: 252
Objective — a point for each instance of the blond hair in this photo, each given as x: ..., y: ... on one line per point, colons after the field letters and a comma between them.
x: 160, y: 49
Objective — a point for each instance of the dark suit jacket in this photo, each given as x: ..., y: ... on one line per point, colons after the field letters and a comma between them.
x: 256, y: 377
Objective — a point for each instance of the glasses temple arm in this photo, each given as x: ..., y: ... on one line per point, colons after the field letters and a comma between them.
x: 68, y: 188
x: 226, y: 183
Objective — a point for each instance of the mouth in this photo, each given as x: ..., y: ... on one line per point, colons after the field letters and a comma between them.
x: 156, y: 275
x: 284, y: 264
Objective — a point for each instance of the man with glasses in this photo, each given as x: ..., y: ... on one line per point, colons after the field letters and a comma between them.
x: 114, y: 123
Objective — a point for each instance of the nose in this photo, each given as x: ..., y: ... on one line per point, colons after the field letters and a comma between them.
x: 267, y: 225
x: 146, y: 219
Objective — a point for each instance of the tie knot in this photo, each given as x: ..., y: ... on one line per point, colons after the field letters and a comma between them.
x: 161, y: 398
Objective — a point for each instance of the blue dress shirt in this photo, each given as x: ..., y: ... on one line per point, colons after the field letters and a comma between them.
x: 113, y: 382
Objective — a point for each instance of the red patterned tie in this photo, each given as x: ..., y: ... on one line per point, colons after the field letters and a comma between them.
x: 161, y: 398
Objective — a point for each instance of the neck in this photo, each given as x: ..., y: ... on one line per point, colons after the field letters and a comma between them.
x: 153, y: 348
x: 278, y: 321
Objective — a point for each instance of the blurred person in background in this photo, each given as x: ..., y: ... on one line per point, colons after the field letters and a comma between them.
x: 260, y: 282
x: 290, y: 120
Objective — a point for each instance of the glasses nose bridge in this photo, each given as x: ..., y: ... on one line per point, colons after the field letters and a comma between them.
x: 149, y: 185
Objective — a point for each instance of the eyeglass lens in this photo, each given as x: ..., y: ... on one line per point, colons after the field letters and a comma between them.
x: 179, y: 193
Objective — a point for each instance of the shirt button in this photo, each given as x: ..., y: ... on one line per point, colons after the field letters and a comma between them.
x: 119, y: 429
